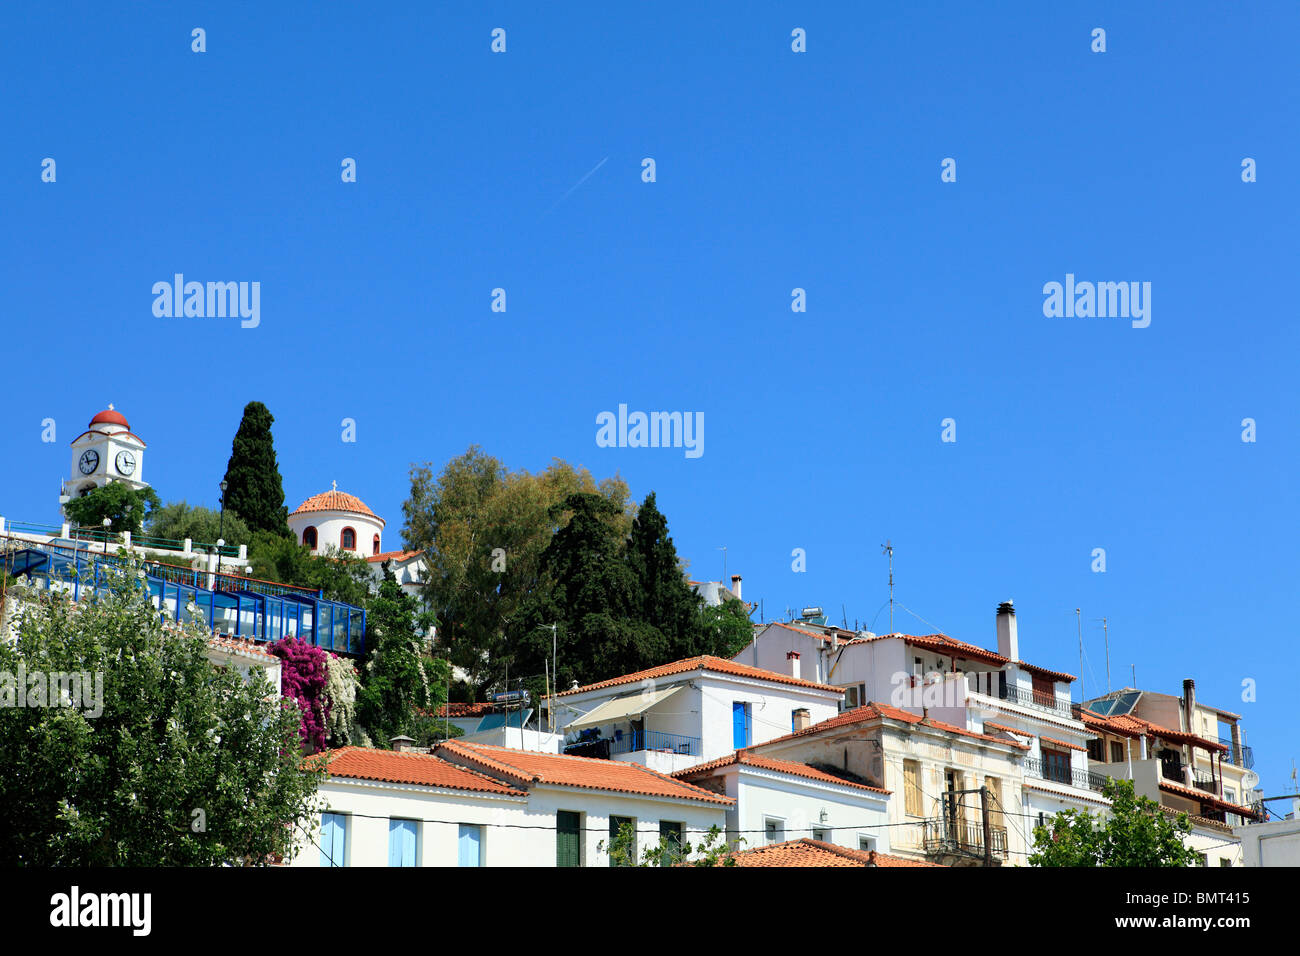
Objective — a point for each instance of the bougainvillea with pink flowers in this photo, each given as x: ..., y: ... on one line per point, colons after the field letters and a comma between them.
x: 304, y: 672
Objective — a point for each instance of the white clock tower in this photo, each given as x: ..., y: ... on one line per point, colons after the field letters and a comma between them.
x: 105, y: 452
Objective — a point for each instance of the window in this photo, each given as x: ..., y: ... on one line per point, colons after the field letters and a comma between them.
x: 673, y: 832
x: 333, y: 839
x: 1230, y: 794
x: 615, y: 825
x: 1224, y: 861
x: 568, y: 840
x: 469, y: 846
x: 741, y: 725
x: 401, y: 842
x: 1096, y: 750
x: 1044, y: 691
x: 819, y: 835
x: 1116, y: 752
x: 1202, y: 860
x: 912, y: 787
x: 1056, y: 765
x: 374, y: 546
x: 850, y: 698
x: 774, y: 830
x: 866, y: 843
x: 309, y: 538
x: 348, y: 539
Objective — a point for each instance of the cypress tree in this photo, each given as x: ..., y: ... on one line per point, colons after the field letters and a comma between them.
x: 665, y: 600
x: 254, y: 489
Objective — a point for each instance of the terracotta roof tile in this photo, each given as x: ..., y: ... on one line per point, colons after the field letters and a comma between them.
x: 1205, y: 797
x: 767, y: 763
x: 334, y: 501
x: 876, y: 711
x: 420, y: 769
x: 1007, y: 730
x: 807, y: 852
x: 398, y: 556
x: 464, y: 710
x: 529, y: 767
x: 239, y: 645
x: 944, y: 644
x: 1126, y: 725
x: 706, y: 662
x: 1061, y: 743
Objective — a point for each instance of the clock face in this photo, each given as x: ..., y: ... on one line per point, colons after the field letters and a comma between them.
x: 89, y: 462
x: 125, y: 462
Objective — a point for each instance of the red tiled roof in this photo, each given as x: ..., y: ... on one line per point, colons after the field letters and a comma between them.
x: 1007, y: 730
x: 335, y: 501
x: 239, y: 645
x: 875, y: 711
x: 1126, y: 725
x: 807, y: 852
x: 1044, y: 672
x: 767, y: 763
x: 944, y: 644
x: 705, y: 662
x: 426, y: 770
x: 1061, y: 743
x: 110, y: 417
x: 1204, y: 797
x: 528, y: 767
x: 398, y: 556
x: 464, y: 710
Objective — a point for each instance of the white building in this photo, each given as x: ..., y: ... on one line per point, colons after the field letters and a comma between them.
x: 336, y: 518
x: 407, y: 566
x: 781, y: 800
x: 1276, y: 843
x: 106, y: 451
x: 676, y: 715
x: 475, y: 805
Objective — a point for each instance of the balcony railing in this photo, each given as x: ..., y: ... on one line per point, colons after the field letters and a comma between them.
x: 1203, y: 780
x: 1035, y: 698
x: 942, y: 836
x: 626, y: 742
x: 1083, y: 779
x: 1247, y: 755
x: 1172, y: 770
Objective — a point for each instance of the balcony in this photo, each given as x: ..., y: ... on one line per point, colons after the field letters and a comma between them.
x: 1202, y: 780
x: 956, y: 838
x: 1247, y: 755
x: 1034, y: 698
x: 1083, y: 779
x: 626, y: 742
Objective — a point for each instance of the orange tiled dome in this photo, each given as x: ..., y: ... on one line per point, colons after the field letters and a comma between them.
x: 334, y: 501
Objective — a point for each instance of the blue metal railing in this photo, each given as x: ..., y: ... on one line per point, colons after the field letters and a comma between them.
x: 632, y: 741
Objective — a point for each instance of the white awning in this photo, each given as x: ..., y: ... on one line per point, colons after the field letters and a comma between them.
x: 622, y: 708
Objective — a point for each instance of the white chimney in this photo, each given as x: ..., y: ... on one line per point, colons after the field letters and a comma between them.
x: 735, y: 585
x: 793, y: 658
x: 802, y: 719
x: 1008, y: 642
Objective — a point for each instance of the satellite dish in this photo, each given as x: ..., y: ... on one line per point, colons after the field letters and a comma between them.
x: 1249, y: 780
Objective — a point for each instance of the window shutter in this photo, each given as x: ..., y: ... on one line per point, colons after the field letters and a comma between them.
x: 333, y: 843
x: 567, y: 846
x: 470, y: 845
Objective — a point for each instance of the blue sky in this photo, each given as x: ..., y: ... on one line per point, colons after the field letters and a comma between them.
x: 775, y: 170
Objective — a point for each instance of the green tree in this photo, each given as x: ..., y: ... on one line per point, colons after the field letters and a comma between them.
x: 174, y: 761
x: 254, y: 489
x: 128, y: 508
x: 399, y: 679
x: 713, y: 850
x: 588, y: 590
x: 340, y: 575
x: 483, y: 529
x: 1134, y: 832
x: 177, y: 521
x: 725, y: 629
x: 664, y: 600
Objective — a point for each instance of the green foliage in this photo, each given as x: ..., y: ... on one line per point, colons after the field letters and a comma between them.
x: 713, y: 850
x: 1135, y: 832
x: 342, y: 575
x: 254, y: 489
x: 129, y: 509
x: 460, y: 517
x: 399, y: 678
x: 176, y: 735
x: 177, y: 520
x: 725, y: 629
x: 663, y: 599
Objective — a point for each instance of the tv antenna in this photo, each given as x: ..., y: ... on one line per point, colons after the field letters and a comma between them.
x: 888, y: 548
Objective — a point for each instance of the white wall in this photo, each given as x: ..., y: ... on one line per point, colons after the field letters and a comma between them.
x: 1270, y: 844
x: 329, y: 527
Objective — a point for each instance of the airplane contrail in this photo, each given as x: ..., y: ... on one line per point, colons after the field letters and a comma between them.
x: 576, y: 185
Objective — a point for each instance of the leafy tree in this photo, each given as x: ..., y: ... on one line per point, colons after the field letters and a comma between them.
x: 128, y: 508
x: 725, y: 629
x: 483, y: 529
x: 185, y: 763
x: 341, y: 575
x: 399, y: 678
x: 254, y: 489
x: 177, y: 521
x: 1134, y: 832
x: 713, y: 850
x: 664, y: 600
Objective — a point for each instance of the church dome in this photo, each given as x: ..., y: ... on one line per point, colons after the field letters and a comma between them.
x: 110, y: 417
x: 335, y: 501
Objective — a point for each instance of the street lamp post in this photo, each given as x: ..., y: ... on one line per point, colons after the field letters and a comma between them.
x: 107, y: 524
x: 221, y: 528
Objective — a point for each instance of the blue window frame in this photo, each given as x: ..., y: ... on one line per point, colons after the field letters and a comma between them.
x: 470, y: 845
x: 741, y: 724
x: 401, y: 843
x: 333, y: 841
